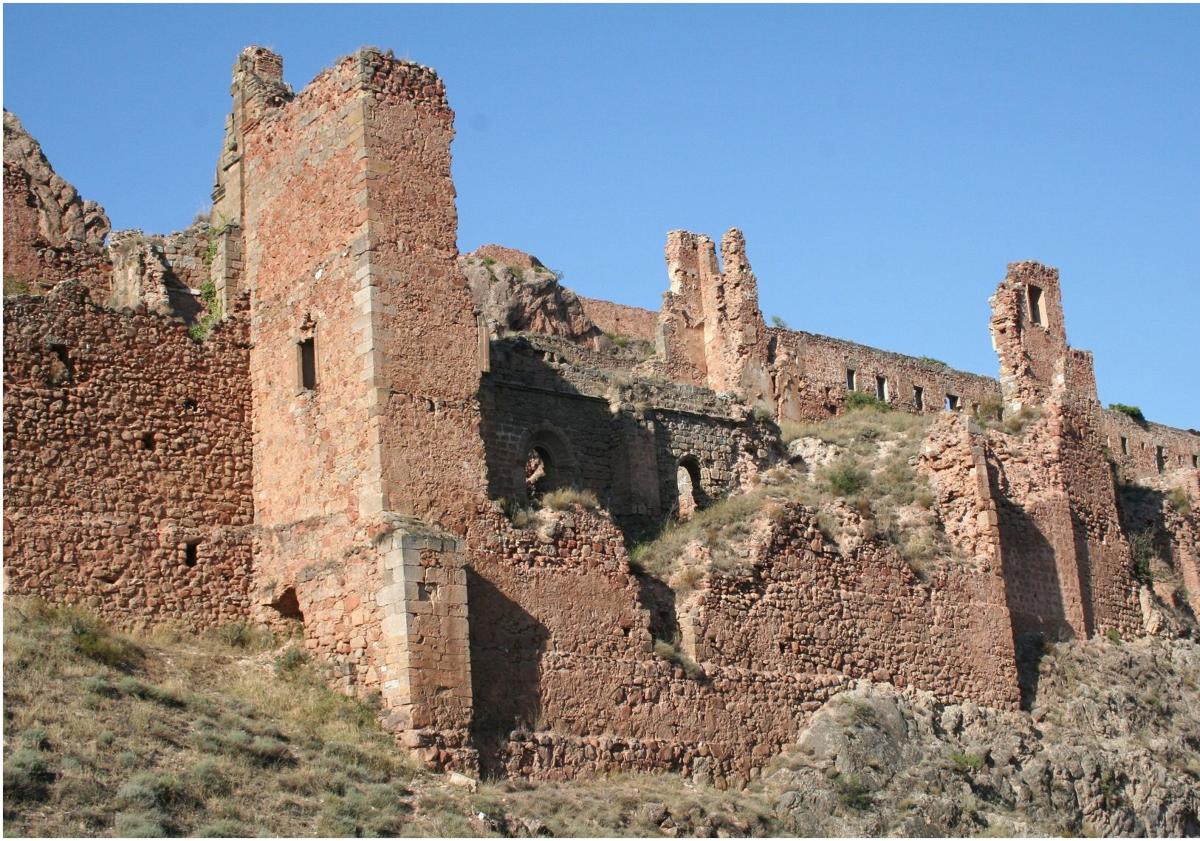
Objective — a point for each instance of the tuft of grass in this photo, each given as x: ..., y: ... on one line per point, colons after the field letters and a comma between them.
x: 212, y: 311
x: 929, y: 360
x: 672, y: 653
x: 564, y: 499
x: 1179, y: 500
x: 1113, y: 635
x: 853, y: 792
x: 762, y: 413
x: 244, y: 636
x: 14, y: 287
x: 291, y: 661
x: 26, y: 776
x: 777, y: 321
x: 1016, y: 424
x: 966, y: 763
x: 989, y: 411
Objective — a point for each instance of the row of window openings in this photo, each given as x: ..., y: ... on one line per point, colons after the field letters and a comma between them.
x: 1160, y: 455
x: 951, y: 403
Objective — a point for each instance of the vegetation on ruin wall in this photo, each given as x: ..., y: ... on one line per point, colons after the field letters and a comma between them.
x: 234, y: 733
x: 871, y: 472
x: 1133, y: 412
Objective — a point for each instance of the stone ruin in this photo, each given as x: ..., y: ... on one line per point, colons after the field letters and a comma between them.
x: 310, y: 411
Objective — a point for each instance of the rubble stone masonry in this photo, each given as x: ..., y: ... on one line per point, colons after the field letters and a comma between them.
x: 344, y: 450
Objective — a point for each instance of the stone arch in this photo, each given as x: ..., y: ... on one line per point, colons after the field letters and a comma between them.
x: 545, y: 462
x: 690, y: 491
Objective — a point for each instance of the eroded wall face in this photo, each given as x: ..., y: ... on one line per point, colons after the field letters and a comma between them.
x: 346, y: 399
x: 125, y: 442
x: 621, y: 320
x: 561, y: 649
x: 425, y: 357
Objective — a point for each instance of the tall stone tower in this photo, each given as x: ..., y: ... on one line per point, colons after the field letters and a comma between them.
x: 364, y: 371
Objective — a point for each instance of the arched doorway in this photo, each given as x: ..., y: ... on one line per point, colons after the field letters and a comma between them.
x: 687, y: 483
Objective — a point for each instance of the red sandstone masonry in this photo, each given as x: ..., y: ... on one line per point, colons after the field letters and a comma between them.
x: 621, y: 320
x: 124, y: 440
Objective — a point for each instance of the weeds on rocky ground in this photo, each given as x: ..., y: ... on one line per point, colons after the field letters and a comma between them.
x: 874, y: 477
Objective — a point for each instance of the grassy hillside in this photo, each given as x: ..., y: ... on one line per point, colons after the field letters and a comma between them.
x: 235, y: 734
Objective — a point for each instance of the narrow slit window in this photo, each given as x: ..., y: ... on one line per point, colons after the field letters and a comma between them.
x: 1160, y: 458
x: 1036, y: 312
x: 308, y: 364
x: 190, y: 552
x: 881, y: 388
x: 919, y: 397
x: 1195, y: 461
x: 1124, y: 446
x: 951, y: 404
x: 851, y: 380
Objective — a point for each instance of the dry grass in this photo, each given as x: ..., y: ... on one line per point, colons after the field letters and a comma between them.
x: 875, y: 477
x: 565, y: 499
x: 232, y: 733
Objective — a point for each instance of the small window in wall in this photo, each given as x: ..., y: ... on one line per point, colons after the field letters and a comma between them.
x: 851, y: 380
x: 952, y: 403
x: 881, y: 388
x: 1195, y: 461
x: 1037, y: 313
x: 148, y: 442
x: 190, y: 551
x: 1160, y: 458
x: 919, y: 398
x: 1124, y: 446
x: 308, y: 364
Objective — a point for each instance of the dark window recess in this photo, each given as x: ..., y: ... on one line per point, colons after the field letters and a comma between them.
x: 881, y: 388
x: 308, y: 364
x: 918, y: 397
x: 1124, y: 446
x: 1036, y: 313
x: 851, y: 380
x: 189, y: 552
x: 1160, y: 458
x: 1195, y: 461
x: 189, y: 404
x: 951, y: 404
x: 148, y: 442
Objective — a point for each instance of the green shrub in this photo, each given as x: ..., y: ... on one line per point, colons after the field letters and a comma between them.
x: 1141, y: 546
x: 210, y: 778
x: 777, y: 321
x: 291, y: 660
x: 1180, y: 500
x: 990, y: 410
x: 929, y: 360
x: 845, y: 478
x: 212, y: 312
x: 762, y: 413
x: 564, y: 499
x: 26, y: 776
x: 618, y: 339
x: 1131, y: 411
x: 862, y: 400
x: 1113, y: 635
x: 967, y: 762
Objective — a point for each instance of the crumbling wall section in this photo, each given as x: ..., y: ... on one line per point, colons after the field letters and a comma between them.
x: 127, y: 462
x: 51, y: 234
x: 567, y: 681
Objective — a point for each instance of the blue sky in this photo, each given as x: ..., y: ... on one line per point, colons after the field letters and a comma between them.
x: 885, y: 163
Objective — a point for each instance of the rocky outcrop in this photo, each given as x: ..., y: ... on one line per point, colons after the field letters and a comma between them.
x: 1110, y: 747
x: 50, y: 232
x: 516, y: 293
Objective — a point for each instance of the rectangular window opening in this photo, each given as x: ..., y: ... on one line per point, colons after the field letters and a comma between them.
x: 1124, y: 446
x: 1160, y: 458
x: 190, y: 552
x: 919, y: 397
x: 1036, y: 312
x: 308, y: 364
x: 1195, y: 461
x: 951, y: 404
x: 881, y: 388
x: 851, y: 380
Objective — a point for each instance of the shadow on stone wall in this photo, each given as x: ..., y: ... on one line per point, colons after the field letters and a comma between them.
x: 507, y: 644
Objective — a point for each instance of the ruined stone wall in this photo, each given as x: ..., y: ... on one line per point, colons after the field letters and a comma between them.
x: 1139, y: 456
x: 163, y: 273
x: 621, y: 320
x: 124, y: 442
x: 1060, y: 526
x: 566, y: 679
x: 50, y: 233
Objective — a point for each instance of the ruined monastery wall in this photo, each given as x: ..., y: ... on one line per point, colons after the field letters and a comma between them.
x: 126, y: 442
x: 621, y: 320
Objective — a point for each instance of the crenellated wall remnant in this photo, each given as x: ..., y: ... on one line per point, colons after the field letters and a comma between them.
x: 395, y: 448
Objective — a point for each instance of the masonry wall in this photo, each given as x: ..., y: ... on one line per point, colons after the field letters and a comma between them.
x: 124, y: 441
x: 620, y: 319
x: 1138, y: 456
x: 566, y: 681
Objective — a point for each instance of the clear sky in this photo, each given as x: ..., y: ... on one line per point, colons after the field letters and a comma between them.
x: 885, y: 163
